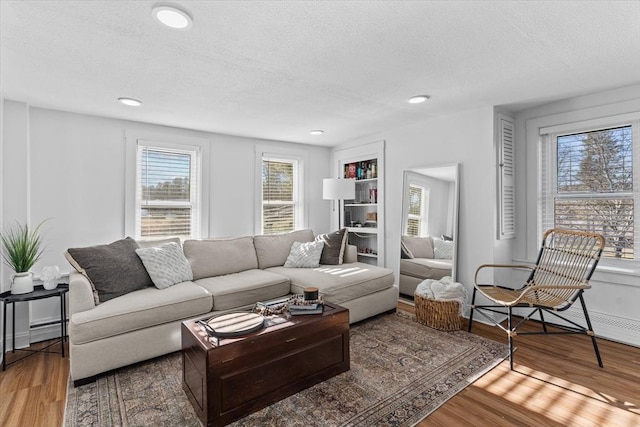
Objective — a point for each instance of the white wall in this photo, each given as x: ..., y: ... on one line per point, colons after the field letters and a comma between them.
x: 614, y: 300
x: 71, y: 168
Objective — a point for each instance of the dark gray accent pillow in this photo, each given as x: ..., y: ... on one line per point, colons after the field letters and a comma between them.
x: 334, y: 246
x: 114, y: 269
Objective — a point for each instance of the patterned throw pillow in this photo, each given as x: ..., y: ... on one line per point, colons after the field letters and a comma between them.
x: 304, y: 255
x: 442, y: 249
x: 166, y: 264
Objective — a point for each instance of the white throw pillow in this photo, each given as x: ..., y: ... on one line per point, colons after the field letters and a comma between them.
x: 166, y: 264
x: 304, y: 255
x: 442, y: 249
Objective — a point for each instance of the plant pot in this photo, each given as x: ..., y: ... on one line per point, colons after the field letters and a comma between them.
x: 22, y: 283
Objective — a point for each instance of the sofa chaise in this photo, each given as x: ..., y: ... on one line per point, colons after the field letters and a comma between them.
x: 227, y: 274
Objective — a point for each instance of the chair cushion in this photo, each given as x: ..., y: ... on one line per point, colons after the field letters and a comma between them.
x: 273, y: 249
x: 138, y: 310
x: 215, y: 257
x: 339, y: 283
x: 244, y: 288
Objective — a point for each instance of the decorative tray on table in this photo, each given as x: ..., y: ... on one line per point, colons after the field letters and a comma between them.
x: 232, y: 324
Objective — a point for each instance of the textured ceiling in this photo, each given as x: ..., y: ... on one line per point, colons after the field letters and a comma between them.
x: 278, y: 69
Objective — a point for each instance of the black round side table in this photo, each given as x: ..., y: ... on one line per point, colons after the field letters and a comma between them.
x: 39, y: 292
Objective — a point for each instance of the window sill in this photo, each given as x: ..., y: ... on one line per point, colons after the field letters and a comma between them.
x: 619, y: 275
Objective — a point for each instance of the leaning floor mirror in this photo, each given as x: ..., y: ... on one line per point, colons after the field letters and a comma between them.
x: 429, y: 226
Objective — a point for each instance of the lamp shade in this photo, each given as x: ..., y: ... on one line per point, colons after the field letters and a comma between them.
x: 338, y: 189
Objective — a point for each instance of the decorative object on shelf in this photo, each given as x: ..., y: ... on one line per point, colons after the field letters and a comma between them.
x: 338, y: 189
x: 22, y: 249
x: 50, y: 276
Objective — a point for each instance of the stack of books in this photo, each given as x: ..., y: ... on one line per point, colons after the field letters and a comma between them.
x: 299, y: 306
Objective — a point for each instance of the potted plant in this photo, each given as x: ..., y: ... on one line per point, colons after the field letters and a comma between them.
x: 22, y: 249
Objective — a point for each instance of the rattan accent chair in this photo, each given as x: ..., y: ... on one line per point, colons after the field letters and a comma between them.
x: 565, y: 264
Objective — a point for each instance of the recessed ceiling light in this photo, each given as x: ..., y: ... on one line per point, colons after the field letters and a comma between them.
x: 418, y: 99
x: 172, y: 16
x: 316, y: 132
x: 131, y: 102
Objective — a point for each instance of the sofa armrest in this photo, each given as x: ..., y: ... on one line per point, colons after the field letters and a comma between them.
x: 80, y: 293
x: 350, y: 254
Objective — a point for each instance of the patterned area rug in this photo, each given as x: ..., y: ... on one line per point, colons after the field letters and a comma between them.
x: 401, y: 371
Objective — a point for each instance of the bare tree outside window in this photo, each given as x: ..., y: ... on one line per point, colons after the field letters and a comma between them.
x: 595, y: 187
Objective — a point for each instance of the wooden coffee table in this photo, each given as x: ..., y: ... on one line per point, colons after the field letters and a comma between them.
x: 228, y: 380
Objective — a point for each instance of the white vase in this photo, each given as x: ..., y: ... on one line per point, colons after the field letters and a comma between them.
x: 22, y: 283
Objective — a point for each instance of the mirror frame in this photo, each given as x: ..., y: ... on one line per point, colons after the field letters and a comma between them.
x: 455, y: 178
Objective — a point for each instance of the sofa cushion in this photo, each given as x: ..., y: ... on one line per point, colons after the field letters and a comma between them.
x: 273, y: 249
x: 138, y: 310
x: 334, y: 245
x: 339, y: 283
x: 216, y: 257
x: 418, y: 247
x: 304, y: 255
x: 244, y: 288
x: 425, y: 268
x: 166, y: 264
x: 113, y: 270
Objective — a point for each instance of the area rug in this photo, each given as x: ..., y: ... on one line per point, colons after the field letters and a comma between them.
x: 401, y: 371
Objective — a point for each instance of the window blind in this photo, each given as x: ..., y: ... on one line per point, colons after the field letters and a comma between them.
x: 416, y: 210
x: 279, y: 195
x: 167, y: 194
x: 588, y: 184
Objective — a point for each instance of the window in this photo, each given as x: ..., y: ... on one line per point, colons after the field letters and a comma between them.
x: 416, y: 212
x: 281, y: 204
x: 590, y: 183
x: 167, y: 191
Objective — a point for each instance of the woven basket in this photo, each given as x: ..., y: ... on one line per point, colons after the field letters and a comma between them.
x: 441, y: 315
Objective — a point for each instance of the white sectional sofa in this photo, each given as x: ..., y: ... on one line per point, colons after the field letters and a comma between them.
x: 228, y: 274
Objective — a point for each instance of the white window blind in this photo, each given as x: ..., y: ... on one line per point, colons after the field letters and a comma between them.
x: 280, y: 195
x: 589, y: 182
x: 506, y: 186
x: 416, y: 212
x: 167, y: 192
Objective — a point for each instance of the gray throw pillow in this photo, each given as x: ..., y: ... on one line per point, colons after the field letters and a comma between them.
x: 418, y: 247
x: 166, y: 264
x: 334, y: 244
x: 113, y: 269
x: 304, y: 255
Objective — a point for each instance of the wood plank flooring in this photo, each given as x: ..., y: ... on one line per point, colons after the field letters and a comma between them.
x: 556, y: 382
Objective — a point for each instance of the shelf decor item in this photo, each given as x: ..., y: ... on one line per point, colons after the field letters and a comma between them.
x: 22, y: 248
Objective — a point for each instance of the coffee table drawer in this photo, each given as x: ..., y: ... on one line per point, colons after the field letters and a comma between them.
x: 270, y: 375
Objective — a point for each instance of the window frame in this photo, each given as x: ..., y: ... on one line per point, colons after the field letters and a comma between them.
x: 299, y: 202
x: 175, y: 143
x: 547, y: 174
x: 422, y: 217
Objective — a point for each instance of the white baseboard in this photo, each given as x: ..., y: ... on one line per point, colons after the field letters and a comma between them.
x: 607, y: 326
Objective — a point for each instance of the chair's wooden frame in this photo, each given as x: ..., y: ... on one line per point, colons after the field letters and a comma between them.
x: 565, y: 264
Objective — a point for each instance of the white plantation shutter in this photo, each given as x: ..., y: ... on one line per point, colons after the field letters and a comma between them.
x: 167, y: 192
x: 506, y: 185
x: 280, y: 200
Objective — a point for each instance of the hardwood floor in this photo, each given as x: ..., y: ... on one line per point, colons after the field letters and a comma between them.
x: 556, y: 382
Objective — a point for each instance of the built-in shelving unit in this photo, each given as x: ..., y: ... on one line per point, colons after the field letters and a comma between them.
x: 363, y: 217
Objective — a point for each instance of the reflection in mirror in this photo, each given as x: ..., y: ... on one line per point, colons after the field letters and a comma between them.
x: 429, y: 226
